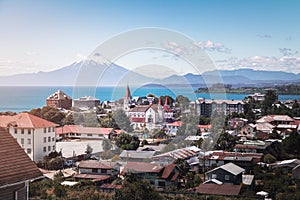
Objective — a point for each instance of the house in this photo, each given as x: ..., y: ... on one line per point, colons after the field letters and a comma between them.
x: 158, y: 176
x: 251, y: 146
x: 80, y: 132
x: 171, y: 128
x: 257, y: 97
x: 286, y: 165
x: 248, y: 131
x: 206, y: 107
x: 170, y: 157
x: 97, y: 171
x: 34, y: 134
x: 59, y: 99
x: 236, y: 124
x: 17, y: 169
x: 276, y: 119
x: 219, y: 158
x: 228, y: 173
x: 86, y: 102
x: 137, y: 156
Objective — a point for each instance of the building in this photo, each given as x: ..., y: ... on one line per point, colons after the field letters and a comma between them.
x: 111, y: 169
x: 228, y: 173
x: 257, y: 97
x: 219, y: 189
x: 80, y: 132
x: 127, y: 100
x: 59, y: 99
x: 158, y: 176
x: 206, y: 107
x: 86, y: 102
x: 34, y: 134
x: 17, y: 170
x: 137, y: 156
x: 170, y: 157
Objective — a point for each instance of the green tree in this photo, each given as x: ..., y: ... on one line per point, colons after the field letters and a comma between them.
x: 137, y: 189
x: 189, y: 125
x: 127, y: 142
x: 122, y: 121
x: 49, y: 113
x: 226, y: 142
x: 291, y: 144
x: 270, y: 99
x: 106, y: 144
x: 88, y: 149
x: 268, y: 158
x: 183, y: 102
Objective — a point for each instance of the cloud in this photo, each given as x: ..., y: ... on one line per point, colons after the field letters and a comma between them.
x: 264, y: 36
x: 212, y: 46
x: 287, y: 52
x: 284, y: 63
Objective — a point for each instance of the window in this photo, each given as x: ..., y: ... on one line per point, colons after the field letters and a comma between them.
x: 16, y: 131
x: 22, y: 140
x: 95, y: 170
x: 227, y: 177
x: 49, y: 139
x: 89, y: 135
x: 214, y: 176
x: 53, y: 147
x: 53, y: 139
x: 52, y: 129
x: 22, y: 131
x: 49, y: 129
x: 161, y: 183
x: 103, y: 171
x: 49, y: 148
x: 28, y: 141
x: 28, y: 151
x: 45, y: 149
x: 45, y: 139
x: 45, y: 130
x: 100, y: 135
x: 29, y: 131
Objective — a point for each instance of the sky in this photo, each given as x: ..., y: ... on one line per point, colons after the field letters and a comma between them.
x: 50, y: 34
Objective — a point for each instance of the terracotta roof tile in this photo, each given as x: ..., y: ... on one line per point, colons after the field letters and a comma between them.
x: 83, y: 130
x: 25, y: 120
x: 15, y: 164
x: 168, y: 170
x: 140, y: 167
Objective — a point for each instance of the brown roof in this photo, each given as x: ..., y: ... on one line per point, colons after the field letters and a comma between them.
x: 138, y: 119
x: 140, y: 167
x: 140, y: 108
x: 224, y: 189
x: 15, y: 164
x: 168, y: 170
x: 25, y: 120
x: 58, y: 95
x: 95, y: 164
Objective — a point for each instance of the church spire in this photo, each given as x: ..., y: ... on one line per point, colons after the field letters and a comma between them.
x: 127, y: 93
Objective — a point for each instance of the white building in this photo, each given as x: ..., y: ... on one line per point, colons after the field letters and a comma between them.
x: 35, y: 135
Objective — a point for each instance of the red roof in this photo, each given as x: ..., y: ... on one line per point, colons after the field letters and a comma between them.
x: 243, y: 146
x: 83, y: 130
x: 176, y: 123
x: 208, y: 126
x: 168, y: 170
x: 25, y: 120
x: 138, y: 119
x: 140, y: 167
x: 224, y: 189
x: 15, y: 164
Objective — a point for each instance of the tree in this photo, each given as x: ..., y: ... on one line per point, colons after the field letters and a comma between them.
x: 226, y: 142
x: 189, y: 125
x: 122, y: 121
x: 183, y: 102
x: 137, y: 189
x: 106, y: 144
x: 49, y: 113
x: 291, y: 144
x: 88, y: 149
x: 268, y: 158
x: 270, y: 99
x: 127, y: 142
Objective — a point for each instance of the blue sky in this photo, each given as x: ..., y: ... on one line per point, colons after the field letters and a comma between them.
x: 46, y: 35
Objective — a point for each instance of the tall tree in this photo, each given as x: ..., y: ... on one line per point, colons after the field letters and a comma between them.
x: 49, y: 113
x: 122, y: 121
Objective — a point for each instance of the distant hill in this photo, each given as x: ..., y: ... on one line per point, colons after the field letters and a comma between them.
x: 91, y: 73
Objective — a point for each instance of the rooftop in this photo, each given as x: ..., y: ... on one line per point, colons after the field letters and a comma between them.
x: 231, y: 168
x: 141, y: 167
x: 15, y: 164
x: 224, y: 189
x: 95, y: 164
x: 25, y: 120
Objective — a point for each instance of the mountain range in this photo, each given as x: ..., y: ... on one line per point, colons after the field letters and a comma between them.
x: 91, y: 73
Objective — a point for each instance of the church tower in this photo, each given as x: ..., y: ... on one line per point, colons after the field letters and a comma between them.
x: 160, y: 111
x: 127, y: 99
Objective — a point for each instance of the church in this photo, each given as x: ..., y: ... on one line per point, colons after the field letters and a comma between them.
x: 147, y: 116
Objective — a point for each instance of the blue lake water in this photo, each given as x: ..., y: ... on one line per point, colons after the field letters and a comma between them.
x: 18, y: 99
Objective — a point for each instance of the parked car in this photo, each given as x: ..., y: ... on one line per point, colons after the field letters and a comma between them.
x: 69, y: 163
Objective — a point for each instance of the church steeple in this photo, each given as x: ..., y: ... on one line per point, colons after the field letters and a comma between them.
x: 127, y: 93
x: 127, y: 99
